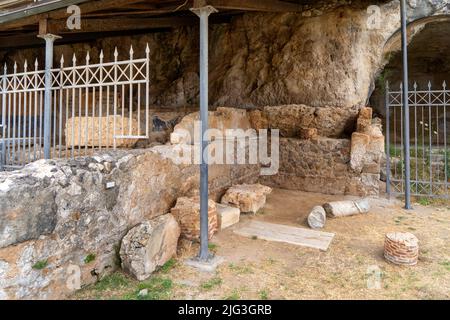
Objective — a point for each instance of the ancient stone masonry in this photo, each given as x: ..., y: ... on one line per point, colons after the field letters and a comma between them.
x: 401, y: 248
x: 329, y: 165
x: 67, y: 217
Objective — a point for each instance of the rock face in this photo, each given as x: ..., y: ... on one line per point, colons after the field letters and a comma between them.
x: 187, y: 213
x: 325, y: 55
x: 61, y: 212
x: 149, y: 246
x: 248, y: 198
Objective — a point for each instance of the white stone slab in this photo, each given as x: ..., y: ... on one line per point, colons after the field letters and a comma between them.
x: 281, y: 233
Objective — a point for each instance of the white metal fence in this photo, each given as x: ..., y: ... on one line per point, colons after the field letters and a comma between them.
x: 93, y: 107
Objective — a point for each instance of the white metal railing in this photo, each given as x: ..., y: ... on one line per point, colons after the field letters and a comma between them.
x: 93, y: 107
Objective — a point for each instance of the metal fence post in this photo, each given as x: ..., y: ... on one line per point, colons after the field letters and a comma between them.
x: 3, y: 126
x: 388, y: 142
x: 49, y: 40
x: 406, y: 107
x: 203, y: 13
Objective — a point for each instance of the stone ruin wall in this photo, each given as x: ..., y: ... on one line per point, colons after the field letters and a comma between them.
x: 61, y: 212
x: 306, y: 73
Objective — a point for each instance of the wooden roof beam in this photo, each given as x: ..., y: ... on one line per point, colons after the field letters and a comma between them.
x: 120, y: 24
x: 253, y: 5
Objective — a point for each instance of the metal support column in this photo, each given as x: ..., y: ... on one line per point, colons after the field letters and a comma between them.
x: 49, y: 40
x: 203, y: 13
x: 405, y: 99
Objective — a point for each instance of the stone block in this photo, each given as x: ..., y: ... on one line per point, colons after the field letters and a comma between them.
x: 100, y: 131
x: 187, y: 213
x: 363, y: 125
x: 149, y: 246
x: 227, y: 215
x: 249, y: 198
x: 366, y: 113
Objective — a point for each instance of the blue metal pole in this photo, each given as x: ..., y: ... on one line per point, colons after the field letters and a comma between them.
x: 406, y: 133
x: 204, y: 13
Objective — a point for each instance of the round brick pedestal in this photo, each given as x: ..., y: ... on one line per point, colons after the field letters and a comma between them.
x: 401, y: 248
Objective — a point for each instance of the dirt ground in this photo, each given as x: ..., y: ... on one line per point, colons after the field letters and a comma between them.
x: 258, y: 269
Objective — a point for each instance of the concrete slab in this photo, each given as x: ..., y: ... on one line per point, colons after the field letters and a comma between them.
x: 205, y: 266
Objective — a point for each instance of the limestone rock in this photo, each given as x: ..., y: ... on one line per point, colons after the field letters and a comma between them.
x: 308, y: 133
x: 360, y: 143
x: 248, y: 198
x: 149, y: 246
x: 366, y: 113
x: 227, y: 215
x: 258, y: 120
x: 60, y: 211
x: 187, y: 213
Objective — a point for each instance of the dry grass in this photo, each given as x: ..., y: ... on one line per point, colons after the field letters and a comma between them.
x: 257, y: 269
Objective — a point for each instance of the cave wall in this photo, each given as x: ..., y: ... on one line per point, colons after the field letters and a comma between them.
x: 325, y: 56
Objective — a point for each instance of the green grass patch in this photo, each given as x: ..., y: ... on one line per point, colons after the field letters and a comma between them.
x: 113, y: 281
x: 240, y: 269
x: 446, y: 265
x: 424, y: 202
x: 263, y: 295
x: 169, y: 265
x: 158, y: 289
x: 42, y: 264
x: 211, y: 283
x: 89, y: 258
x: 213, y: 247
x: 234, y: 295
